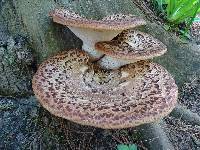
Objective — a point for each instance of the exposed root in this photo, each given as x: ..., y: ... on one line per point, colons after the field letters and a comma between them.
x: 154, y: 137
x: 186, y: 115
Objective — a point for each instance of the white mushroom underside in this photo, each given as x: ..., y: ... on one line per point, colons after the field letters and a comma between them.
x: 108, y: 62
x: 91, y: 36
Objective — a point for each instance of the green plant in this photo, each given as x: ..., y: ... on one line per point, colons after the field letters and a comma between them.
x: 126, y: 147
x: 196, y: 20
x: 178, y: 11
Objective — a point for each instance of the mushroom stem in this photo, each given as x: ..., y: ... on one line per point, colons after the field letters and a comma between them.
x: 92, y: 36
x: 108, y: 62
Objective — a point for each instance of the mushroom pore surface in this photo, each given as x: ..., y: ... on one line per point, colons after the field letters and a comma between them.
x: 71, y: 87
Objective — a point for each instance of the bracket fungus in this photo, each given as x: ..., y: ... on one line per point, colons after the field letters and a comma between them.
x: 70, y: 86
x: 128, y: 47
x: 91, y: 31
x: 137, y: 91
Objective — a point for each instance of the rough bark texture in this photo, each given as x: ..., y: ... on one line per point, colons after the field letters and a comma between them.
x: 16, y: 67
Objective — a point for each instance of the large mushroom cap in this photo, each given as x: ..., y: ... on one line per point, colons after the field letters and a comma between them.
x: 113, y: 22
x: 132, y: 44
x: 69, y: 86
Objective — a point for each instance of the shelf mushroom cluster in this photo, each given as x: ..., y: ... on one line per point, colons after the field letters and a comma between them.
x: 110, y: 84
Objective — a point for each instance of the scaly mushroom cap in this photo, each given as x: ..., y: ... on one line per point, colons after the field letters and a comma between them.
x: 132, y: 45
x: 69, y: 86
x: 113, y: 22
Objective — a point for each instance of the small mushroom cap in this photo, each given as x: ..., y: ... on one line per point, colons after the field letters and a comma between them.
x: 132, y: 45
x: 69, y: 86
x: 113, y: 22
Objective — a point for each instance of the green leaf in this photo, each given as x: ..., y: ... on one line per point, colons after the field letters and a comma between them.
x: 122, y: 147
x: 126, y: 147
x: 179, y: 11
x: 170, y: 7
x: 183, y: 11
x: 132, y: 147
x: 196, y: 20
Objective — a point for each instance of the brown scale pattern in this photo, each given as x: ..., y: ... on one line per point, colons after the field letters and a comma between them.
x: 117, y: 17
x: 132, y: 44
x: 104, y: 99
x: 113, y: 22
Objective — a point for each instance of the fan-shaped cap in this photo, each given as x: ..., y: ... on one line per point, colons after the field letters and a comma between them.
x: 112, y: 22
x: 132, y: 45
x: 69, y: 86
